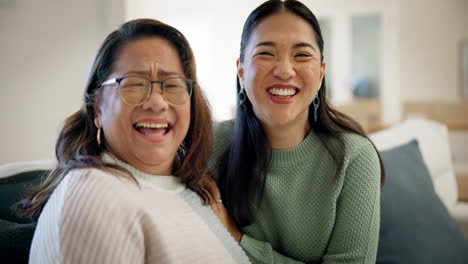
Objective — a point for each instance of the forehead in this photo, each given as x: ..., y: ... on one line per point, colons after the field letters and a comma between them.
x: 284, y: 28
x: 146, y: 53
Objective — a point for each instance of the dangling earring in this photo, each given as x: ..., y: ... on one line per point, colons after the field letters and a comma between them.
x: 241, y: 97
x: 98, y: 137
x: 316, y: 104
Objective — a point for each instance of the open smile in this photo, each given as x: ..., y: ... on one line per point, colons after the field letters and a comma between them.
x: 154, y: 131
x: 282, y: 93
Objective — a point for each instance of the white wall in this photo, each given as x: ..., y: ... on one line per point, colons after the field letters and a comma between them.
x: 47, y: 48
x: 46, y: 51
x: 214, y: 31
x: 430, y: 33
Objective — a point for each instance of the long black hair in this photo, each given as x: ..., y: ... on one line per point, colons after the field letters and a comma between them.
x: 243, y: 170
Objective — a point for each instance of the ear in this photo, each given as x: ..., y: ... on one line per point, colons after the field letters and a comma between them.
x: 322, y: 71
x: 97, y: 114
x: 240, y: 70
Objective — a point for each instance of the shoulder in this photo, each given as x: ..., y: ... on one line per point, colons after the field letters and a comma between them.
x: 361, y: 159
x: 356, y: 144
x: 92, y: 197
x: 93, y: 205
x: 95, y: 180
x: 223, y: 130
x: 349, y: 145
x: 357, y: 154
x: 93, y: 190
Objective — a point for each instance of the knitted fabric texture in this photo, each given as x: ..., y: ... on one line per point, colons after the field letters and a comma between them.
x: 308, y: 213
x: 98, y: 217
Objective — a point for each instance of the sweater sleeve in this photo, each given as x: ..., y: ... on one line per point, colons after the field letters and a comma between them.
x: 262, y: 252
x: 356, y: 231
x: 98, y: 225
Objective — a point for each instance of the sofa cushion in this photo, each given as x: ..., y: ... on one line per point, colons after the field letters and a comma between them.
x: 9, y: 169
x: 416, y: 227
x: 434, y: 145
x: 15, y: 241
x: 12, y: 190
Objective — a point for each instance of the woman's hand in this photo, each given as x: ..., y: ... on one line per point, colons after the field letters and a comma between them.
x: 219, y: 209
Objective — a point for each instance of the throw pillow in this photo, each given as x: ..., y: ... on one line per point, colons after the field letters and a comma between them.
x: 415, y: 225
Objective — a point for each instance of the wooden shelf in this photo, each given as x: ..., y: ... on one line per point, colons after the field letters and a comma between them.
x: 452, y: 114
x: 462, y: 182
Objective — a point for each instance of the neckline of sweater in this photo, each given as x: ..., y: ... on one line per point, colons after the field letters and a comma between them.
x: 298, y: 153
x: 168, y: 183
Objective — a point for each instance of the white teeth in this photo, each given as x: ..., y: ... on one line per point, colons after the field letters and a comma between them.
x: 152, y: 125
x: 277, y: 91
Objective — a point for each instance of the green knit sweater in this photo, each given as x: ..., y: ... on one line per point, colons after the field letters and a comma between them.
x: 308, y: 215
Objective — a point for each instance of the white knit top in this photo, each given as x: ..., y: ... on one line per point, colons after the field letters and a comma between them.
x: 97, y: 217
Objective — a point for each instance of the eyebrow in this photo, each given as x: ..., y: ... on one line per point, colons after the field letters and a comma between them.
x: 146, y: 73
x: 265, y: 43
x: 297, y: 45
x: 137, y: 73
x: 304, y: 44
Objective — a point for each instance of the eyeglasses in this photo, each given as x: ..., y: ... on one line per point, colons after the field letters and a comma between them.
x: 135, y: 90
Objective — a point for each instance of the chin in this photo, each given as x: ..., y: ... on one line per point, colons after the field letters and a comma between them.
x: 281, y: 123
x: 279, y: 119
x: 158, y: 158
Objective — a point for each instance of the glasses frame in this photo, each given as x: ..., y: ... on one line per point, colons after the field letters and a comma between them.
x: 190, y: 85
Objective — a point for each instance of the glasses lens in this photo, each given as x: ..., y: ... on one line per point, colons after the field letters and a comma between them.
x: 177, y: 90
x: 134, y: 90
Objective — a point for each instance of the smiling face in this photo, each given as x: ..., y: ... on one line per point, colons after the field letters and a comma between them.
x: 282, y: 70
x: 146, y: 136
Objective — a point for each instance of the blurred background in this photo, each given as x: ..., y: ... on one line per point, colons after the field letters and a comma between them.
x: 387, y: 60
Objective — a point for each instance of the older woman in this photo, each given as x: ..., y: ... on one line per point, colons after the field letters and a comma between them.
x: 129, y: 184
x: 300, y: 179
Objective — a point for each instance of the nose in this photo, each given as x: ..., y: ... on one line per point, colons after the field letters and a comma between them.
x: 284, y: 69
x: 155, y: 101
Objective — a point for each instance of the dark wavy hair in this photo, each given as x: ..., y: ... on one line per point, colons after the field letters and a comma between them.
x: 77, y: 146
x: 243, y: 171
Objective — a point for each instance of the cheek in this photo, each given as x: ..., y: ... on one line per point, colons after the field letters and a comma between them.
x: 183, y: 114
x: 187, y: 115
x: 113, y: 110
x: 312, y: 75
x: 257, y: 70
x: 257, y: 76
